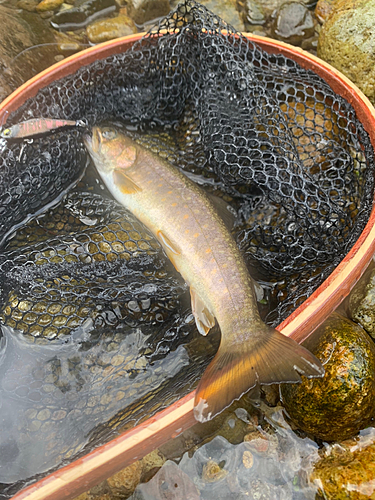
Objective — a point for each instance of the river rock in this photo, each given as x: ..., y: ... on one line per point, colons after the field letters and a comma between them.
x: 347, y: 471
x: 84, y: 14
x: 29, y: 5
x: 49, y: 5
x: 18, y: 32
x: 347, y: 41
x: 362, y: 303
x: 143, y: 11
x: 324, y: 8
x: 341, y: 403
x: 227, y: 10
x: 107, y: 29
x: 293, y: 23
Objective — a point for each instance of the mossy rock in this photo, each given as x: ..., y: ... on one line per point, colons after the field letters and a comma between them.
x: 341, y: 403
x: 345, y: 472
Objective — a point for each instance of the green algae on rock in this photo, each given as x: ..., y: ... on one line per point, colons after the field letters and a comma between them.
x: 347, y: 41
x: 341, y: 403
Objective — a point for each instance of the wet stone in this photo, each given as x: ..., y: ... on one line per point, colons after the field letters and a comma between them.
x: 80, y: 17
x: 324, y: 8
x: 227, y: 10
x: 49, y: 5
x: 362, y: 303
x: 346, y: 471
x: 108, y: 29
x: 168, y: 484
x: 293, y: 23
x: 341, y: 403
x: 124, y: 482
x: 142, y: 11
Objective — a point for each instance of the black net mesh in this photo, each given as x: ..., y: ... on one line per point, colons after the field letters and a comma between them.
x: 270, y: 137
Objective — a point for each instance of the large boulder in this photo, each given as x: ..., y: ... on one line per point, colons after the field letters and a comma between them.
x: 347, y: 41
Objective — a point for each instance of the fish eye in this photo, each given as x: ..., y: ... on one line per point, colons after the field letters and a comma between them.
x: 109, y: 133
x: 6, y: 132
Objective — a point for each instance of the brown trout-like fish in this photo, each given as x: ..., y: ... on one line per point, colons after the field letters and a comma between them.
x: 196, y: 240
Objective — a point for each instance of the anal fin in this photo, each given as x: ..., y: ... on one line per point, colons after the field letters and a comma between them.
x: 204, y: 319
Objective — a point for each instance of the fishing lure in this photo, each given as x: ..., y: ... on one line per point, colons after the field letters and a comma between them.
x: 37, y: 126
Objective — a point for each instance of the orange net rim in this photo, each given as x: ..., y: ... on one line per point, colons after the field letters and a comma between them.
x: 84, y: 473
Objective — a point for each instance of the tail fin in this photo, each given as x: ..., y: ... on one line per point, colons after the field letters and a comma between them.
x: 271, y: 358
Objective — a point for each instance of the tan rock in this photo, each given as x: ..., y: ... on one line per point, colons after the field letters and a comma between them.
x: 143, y: 11
x: 108, y: 29
x: 48, y: 5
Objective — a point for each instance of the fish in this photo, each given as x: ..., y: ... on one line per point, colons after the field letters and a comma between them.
x: 184, y: 220
x: 37, y: 126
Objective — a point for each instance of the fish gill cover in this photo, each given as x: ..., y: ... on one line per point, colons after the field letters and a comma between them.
x: 288, y: 154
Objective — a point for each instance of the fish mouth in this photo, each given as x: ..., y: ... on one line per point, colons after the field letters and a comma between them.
x: 92, y: 142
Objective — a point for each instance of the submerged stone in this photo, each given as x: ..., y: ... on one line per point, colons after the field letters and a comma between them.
x: 341, y: 403
x: 79, y: 17
x: 347, y: 41
x: 168, y: 484
x: 108, y: 29
x: 293, y: 23
x: 142, y: 11
x: 227, y: 10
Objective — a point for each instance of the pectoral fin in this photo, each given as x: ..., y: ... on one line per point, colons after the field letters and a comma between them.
x: 203, y: 317
x: 167, y: 243
x: 125, y: 183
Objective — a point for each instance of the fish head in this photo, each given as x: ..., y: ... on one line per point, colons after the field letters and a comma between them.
x: 110, y: 149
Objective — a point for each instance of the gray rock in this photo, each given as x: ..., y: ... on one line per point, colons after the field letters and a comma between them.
x: 293, y: 23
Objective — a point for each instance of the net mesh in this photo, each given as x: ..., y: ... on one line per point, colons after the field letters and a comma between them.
x: 270, y: 137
